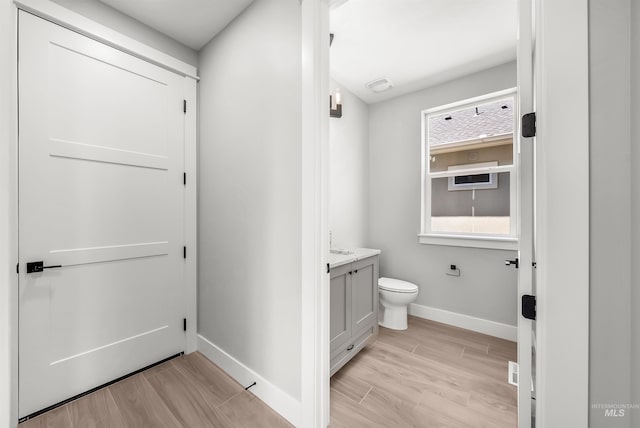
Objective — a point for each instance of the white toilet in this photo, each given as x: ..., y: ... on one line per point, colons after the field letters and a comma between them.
x: 395, y: 296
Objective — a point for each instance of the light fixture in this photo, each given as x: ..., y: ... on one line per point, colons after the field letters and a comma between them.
x: 337, y: 111
x: 380, y: 85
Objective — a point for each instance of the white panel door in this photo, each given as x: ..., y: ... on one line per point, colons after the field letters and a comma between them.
x: 101, y: 195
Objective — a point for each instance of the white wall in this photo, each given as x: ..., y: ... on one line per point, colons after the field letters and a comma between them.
x: 610, y: 246
x: 250, y: 192
x: 7, y: 230
x: 486, y: 288
x: 635, y: 210
x: 349, y: 171
x: 116, y: 20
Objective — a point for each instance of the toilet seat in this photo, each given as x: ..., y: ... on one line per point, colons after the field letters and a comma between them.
x: 396, y: 285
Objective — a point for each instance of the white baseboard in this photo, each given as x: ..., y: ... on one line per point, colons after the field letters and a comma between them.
x: 492, y: 328
x: 274, y: 397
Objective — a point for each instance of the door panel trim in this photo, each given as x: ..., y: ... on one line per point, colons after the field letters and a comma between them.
x: 90, y: 152
x: 99, y: 348
x: 80, y: 256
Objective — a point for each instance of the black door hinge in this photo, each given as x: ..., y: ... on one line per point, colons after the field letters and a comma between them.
x: 184, y: 106
x: 529, y: 306
x: 18, y: 268
x: 184, y: 178
x: 529, y: 125
x: 184, y: 324
x: 328, y: 268
x: 184, y: 252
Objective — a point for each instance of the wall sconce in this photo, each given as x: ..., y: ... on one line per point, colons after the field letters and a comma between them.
x: 337, y: 111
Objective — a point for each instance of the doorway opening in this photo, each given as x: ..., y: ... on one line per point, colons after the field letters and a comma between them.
x: 383, y: 74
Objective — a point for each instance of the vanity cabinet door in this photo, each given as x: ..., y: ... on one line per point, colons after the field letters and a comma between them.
x: 364, y: 292
x: 340, y: 297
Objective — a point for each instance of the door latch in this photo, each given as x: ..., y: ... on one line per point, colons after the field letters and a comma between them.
x: 515, y: 263
x: 35, y: 267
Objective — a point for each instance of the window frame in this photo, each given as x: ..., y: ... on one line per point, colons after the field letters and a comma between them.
x: 474, y: 240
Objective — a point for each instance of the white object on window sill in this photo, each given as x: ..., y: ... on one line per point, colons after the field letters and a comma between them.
x: 470, y: 241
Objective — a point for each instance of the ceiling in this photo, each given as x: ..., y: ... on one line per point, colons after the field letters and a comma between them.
x: 418, y: 43
x: 191, y: 22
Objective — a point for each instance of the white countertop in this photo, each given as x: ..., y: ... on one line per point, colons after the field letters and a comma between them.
x: 336, y: 260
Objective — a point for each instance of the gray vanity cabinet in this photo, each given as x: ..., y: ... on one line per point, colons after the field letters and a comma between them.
x: 354, y: 309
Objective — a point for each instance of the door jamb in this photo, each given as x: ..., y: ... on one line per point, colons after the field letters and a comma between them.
x: 10, y: 197
x: 191, y: 213
x: 525, y: 209
x: 314, y: 373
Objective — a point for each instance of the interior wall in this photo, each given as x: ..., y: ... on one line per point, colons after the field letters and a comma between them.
x: 118, y: 21
x: 486, y: 289
x: 7, y: 229
x: 635, y: 210
x: 250, y: 192
x: 349, y: 172
x: 610, y: 173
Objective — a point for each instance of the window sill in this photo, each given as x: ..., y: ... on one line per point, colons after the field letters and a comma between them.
x: 470, y: 241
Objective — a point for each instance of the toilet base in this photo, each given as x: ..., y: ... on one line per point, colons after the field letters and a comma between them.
x: 394, y: 317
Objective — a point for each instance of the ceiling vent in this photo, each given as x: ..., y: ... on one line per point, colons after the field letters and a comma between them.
x: 380, y: 85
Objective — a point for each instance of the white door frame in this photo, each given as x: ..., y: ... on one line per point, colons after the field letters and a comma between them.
x: 9, y: 216
x: 315, y: 215
x: 78, y: 23
x: 525, y: 199
x: 562, y: 224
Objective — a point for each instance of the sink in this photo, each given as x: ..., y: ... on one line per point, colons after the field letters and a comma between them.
x: 341, y: 251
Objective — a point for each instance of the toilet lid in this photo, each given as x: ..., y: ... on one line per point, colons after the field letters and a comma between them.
x: 397, y: 285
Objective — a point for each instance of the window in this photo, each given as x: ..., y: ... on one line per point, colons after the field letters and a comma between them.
x: 469, y: 173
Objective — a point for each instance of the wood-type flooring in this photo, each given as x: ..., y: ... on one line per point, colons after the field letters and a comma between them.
x: 430, y: 375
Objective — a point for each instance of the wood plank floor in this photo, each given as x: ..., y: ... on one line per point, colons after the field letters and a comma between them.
x: 185, y: 392
x: 430, y: 375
